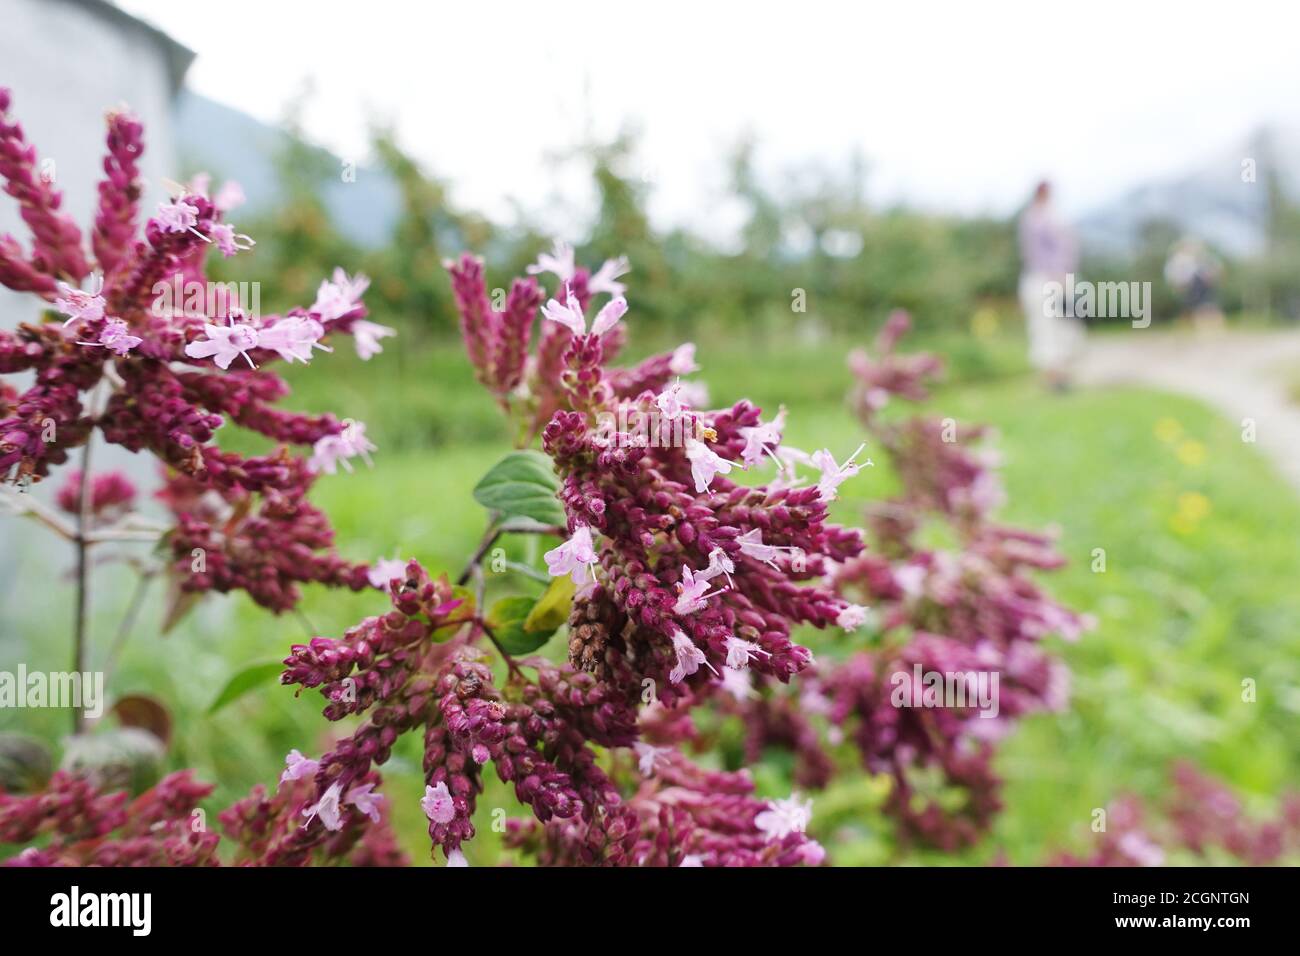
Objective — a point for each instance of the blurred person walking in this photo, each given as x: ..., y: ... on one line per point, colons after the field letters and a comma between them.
x: 1193, y: 272
x: 1048, y: 252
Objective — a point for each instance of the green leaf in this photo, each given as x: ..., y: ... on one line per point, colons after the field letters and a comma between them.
x: 508, y: 620
x: 244, y: 681
x: 25, y: 763
x: 552, y: 608
x: 522, y: 484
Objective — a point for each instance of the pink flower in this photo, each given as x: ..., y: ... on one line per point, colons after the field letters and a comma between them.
x: 229, y: 241
x: 752, y: 546
x: 293, y: 338
x: 719, y: 563
x: 116, y: 337
x: 832, y: 474
x: 364, y: 800
x: 336, y: 298
x: 739, y: 652
x: 560, y: 262
x: 738, y: 683
x: 694, y: 394
x: 812, y: 853
x: 384, y: 570
x: 910, y: 579
x: 574, y: 557
x: 608, y: 316
x: 692, y: 859
x: 1139, y: 848
x: 571, y: 316
x: 693, y: 592
x: 327, y: 808
x: 647, y: 756
x: 683, y: 359
x: 783, y: 817
x: 229, y: 196
x: 852, y: 617
x: 76, y: 304
x: 758, y: 437
x: 438, y: 804
x: 456, y: 858
x: 689, y: 658
x: 694, y: 584
x: 669, y: 401
x: 705, y: 463
x: 354, y: 441
x: 366, y: 336
x: 604, y: 278
x: 224, y: 342
x: 296, y: 766
x: 815, y: 702
x: 177, y: 215
x: 111, y: 493
x: 334, y: 450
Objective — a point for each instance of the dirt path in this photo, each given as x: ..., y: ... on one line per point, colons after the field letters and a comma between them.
x: 1242, y: 374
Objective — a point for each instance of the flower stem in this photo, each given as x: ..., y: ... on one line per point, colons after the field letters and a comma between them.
x: 495, y: 530
x: 489, y: 538
x: 83, y: 575
x: 128, y: 622
x: 511, y: 664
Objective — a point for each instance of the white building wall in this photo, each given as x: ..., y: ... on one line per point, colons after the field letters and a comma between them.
x: 67, y: 63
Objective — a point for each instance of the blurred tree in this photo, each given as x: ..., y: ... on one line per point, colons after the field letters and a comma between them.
x: 298, y: 243
x: 408, y: 277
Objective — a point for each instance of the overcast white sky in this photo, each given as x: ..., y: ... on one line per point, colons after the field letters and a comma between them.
x: 955, y: 105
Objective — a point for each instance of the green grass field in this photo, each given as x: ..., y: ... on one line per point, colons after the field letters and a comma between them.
x: 1198, y: 593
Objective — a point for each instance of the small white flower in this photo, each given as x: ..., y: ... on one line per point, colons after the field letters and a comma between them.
x: 327, y: 808
x: 648, y: 756
x: 832, y: 474
x: 384, y: 570
x: 739, y: 652
x: 576, y: 557
x: 605, y: 278
x: 852, y: 617
x: 683, y: 359
x: 456, y: 858
x: 783, y: 817
x: 559, y: 261
x: 705, y: 464
x: 689, y: 658
x: 739, y: 684
x: 438, y: 804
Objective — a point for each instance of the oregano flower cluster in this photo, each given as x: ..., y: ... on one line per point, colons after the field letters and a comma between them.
x: 1199, y: 821
x: 971, y: 610
x: 120, y: 355
x: 692, y: 548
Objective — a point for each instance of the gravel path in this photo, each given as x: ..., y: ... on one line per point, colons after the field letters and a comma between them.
x: 1242, y: 374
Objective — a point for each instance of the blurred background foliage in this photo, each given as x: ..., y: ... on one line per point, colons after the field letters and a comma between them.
x: 814, y: 232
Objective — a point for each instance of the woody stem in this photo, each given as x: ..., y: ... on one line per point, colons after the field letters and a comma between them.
x: 82, y: 546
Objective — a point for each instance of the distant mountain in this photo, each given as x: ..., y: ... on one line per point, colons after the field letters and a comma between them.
x: 232, y: 145
x: 1212, y: 202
